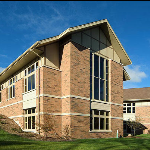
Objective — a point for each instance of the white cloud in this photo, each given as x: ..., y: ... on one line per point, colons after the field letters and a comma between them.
x: 1, y: 69
x: 1, y: 55
x: 135, y: 73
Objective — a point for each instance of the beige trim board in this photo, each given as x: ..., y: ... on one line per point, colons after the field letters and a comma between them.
x: 96, y: 131
x: 130, y: 100
x: 110, y: 103
x: 63, y: 97
x: 116, y: 117
x: 51, y: 68
x: 11, y: 104
x: 65, y: 114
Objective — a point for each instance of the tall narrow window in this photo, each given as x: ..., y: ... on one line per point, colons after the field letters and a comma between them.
x: 99, y: 78
x: 29, y: 81
x: 11, y: 88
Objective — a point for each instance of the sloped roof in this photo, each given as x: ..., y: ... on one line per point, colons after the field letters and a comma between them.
x: 28, y: 54
x: 136, y: 94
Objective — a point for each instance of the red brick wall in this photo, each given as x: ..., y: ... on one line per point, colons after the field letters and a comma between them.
x: 16, y: 109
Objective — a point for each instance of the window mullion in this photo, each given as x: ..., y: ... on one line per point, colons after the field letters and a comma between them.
x: 104, y: 79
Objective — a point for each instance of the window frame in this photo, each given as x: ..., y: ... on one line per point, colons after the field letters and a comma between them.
x: 100, y: 116
x: 11, y: 87
x: 105, y: 79
x: 126, y: 106
x: 29, y: 73
x: 28, y: 115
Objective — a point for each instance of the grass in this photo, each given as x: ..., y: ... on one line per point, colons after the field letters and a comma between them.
x: 14, y: 142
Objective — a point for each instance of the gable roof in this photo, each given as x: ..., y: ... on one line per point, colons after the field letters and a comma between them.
x: 28, y: 55
x: 136, y: 94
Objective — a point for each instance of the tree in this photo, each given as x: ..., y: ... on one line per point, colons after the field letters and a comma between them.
x: 135, y: 124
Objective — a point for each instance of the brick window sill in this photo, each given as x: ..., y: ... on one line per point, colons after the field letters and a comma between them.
x: 95, y: 131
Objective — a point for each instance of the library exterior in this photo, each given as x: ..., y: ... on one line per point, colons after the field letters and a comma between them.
x: 76, y: 77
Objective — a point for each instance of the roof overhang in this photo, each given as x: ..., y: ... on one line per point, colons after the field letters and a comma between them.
x: 21, y: 61
x: 28, y: 55
x: 125, y: 60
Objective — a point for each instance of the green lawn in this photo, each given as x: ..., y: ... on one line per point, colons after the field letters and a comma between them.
x: 8, y: 141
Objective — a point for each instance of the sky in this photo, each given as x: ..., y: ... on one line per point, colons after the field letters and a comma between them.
x: 22, y: 23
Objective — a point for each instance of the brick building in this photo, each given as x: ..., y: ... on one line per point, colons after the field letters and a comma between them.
x: 76, y: 77
x: 136, y: 107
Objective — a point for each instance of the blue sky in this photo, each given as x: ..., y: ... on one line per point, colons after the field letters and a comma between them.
x: 24, y: 23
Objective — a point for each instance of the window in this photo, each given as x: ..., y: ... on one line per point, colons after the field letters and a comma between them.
x: 29, y: 118
x: 99, y: 78
x: 100, y: 120
x: 29, y: 81
x: 129, y: 108
x: 11, y: 88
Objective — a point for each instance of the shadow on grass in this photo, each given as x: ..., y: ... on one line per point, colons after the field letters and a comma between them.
x: 8, y: 143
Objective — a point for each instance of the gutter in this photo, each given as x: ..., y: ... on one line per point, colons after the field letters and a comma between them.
x: 21, y: 56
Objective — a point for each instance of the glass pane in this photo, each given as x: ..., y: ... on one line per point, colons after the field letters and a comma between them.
x: 29, y: 70
x: 29, y: 111
x: 133, y: 109
x: 96, y: 123
x: 96, y: 112
x: 25, y: 119
x: 133, y: 104
x: 102, y: 90
x: 14, y: 80
x: 29, y: 122
x: 128, y: 109
x: 32, y: 68
x: 13, y: 90
x: 10, y: 81
x: 25, y: 85
x: 106, y: 62
x: 10, y: 92
x: 25, y: 111
x: 124, y: 108
x: 124, y: 104
x: 36, y: 65
x: 96, y: 65
x: 33, y: 122
x: 107, y: 76
x: 102, y: 123
x: 124, y: 111
x: 106, y: 98
x: 29, y: 83
x: 33, y: 110
x: 96, y: 88
x: 107, y: 124
x: 101, y: 67
x: 91, y: 87
x: 129, y: 104
x: 25, y: 72
x: 107, y: 113
x: 101, y: 112
x: 33, y: 81
x: 25, y: 125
